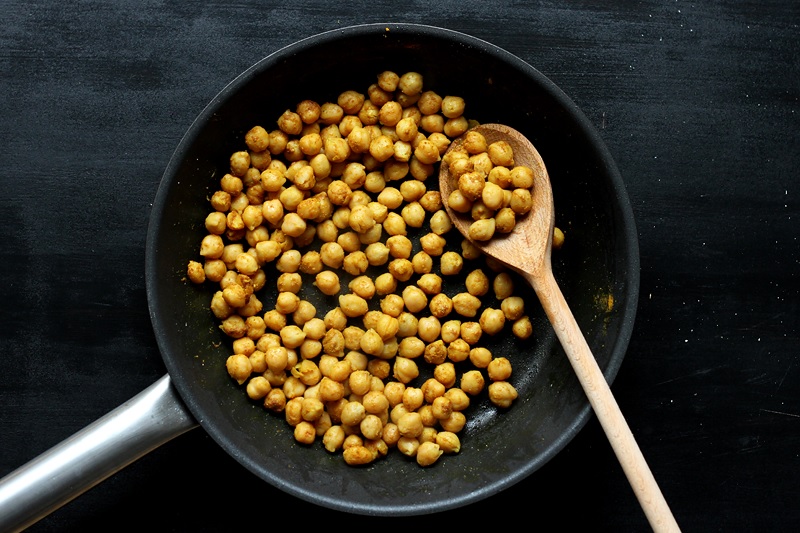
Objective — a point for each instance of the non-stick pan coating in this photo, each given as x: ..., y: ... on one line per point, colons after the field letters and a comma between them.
x: 597, y: 269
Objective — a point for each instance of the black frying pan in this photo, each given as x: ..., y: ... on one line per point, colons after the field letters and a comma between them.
x: 597, y: 269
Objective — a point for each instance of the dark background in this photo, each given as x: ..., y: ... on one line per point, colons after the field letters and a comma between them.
x: 698, y: 103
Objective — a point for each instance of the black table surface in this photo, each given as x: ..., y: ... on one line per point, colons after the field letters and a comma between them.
x: 698, y: 103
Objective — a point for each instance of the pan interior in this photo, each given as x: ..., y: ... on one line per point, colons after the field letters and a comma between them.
x: 598, y: 265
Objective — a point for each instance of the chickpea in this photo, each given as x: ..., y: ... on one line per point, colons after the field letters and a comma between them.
x: 471, y: 332
x: 430, y: 283
x: 405, y: 370
x: 522, y: 328
x: 466, y: 304
x: 413, y: 214
x: 286, y: 303
x: 401, y: 269
x: 521, y: 201
x: 454, y: 423
x: 450, y: 263
x: 239, y: 367
x: 314, y: 329
x: 513, y: 307
x: 374, y: 401
x: 353, y: 305
x: 411, y: 347
x: 414, y: 299
x: 482, y: 230
x: 433, y: 244
x: 505, y: 220
x: 453, y: 106
x: 480, y: 357
x: 333, y: 439
x: 502, y: 394
x: 470, y: 185
x: 503, y: 286
x: 362, y: 286
x: 472, y: 382
x: 445, y: 374
x: 558, y: 238
x: 355, y: 263
x: 440, y: 222
x: 422, y: 263
x: 327, y: 282
x: 410, y: 424
x: 372, y: 343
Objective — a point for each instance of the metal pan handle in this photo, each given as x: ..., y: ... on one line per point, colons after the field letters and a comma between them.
x: 151, y: 418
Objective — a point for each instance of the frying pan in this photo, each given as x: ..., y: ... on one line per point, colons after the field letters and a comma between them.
x: 598, y: 270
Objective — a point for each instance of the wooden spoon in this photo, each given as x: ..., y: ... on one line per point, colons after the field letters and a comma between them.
x: 527, y: 250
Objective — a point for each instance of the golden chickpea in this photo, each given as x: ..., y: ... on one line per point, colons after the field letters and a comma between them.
x: 482, y: 230
x: 471, y: 332
x: 454, y: 423
x: 289, y: 261
x: 453, y: 106
x: 408, y: 446
x: 234, y: 326
x: 413, y: 214
x: 314, y: 328
x: 458, y: 351
x: 353, y: 305
x: 480, y: 357
x: 355, y: 263
x: 558, y: 238
x: 445, y: 373
x: 381, y: 148
x: 390, y: 197
x: 433, y: 124
x: 450, y: 263
x: 333, y: 438
x: 406, y: 129
x: 422, y: 263
x: 339, y: 193
x: 239, y: 367
x: 401, y: 269
x: 380, y: 370
x: 395, y: 224
x: 513, y: 307
x: 353, y: 413
x: 349, y: 241
x: 521, y: 201
x: 472, y: 382
x: 394, y: 392
x: 428, y: 453
x: 405, y: 370
x: 503, y: 286
x: 387, y: 327
x: 505, y: 220
x: 212, y: 247
x: 410, y: 424
x: 371, y: 427
x: 435, y: 352
x: 327, y: 282
x: 465, y: 304
x: 374, y: 401
x: 477, y: 283
x: 274, y: 320
x: 522, y: 328
x: 410, y: 83
x: 430, y: 283
x: 414, y: 299
x: 502, y: 394
x: 286, y: 303
x: 433, y: 244
x: 292, y: 336
x: 411, y: 347
x: 371, y: 343
x: 440, y: 222
x: 459, y: 400
x: 458, y: 202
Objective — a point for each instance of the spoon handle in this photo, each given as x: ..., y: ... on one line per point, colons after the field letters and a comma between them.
x: 603, y: 402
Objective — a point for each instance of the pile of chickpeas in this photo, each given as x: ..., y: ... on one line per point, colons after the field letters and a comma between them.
x: 332, y: 205
x: 490, y: 187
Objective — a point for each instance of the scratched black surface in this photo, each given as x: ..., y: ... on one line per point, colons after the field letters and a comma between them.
x: 698, y: 102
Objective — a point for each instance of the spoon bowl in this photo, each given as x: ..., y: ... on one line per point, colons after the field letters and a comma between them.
x: 527, y: 250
